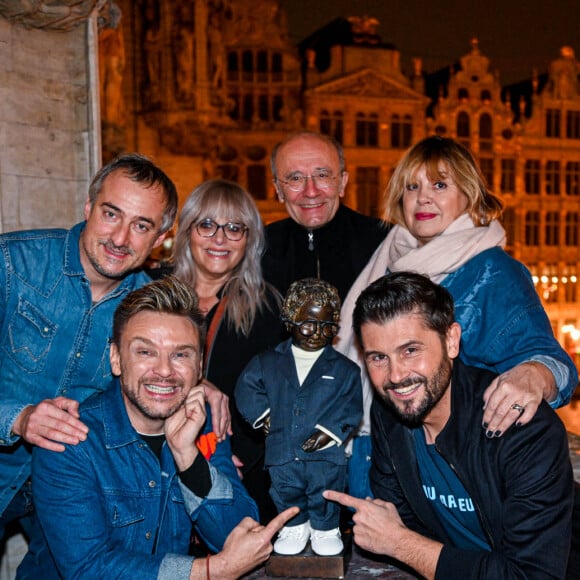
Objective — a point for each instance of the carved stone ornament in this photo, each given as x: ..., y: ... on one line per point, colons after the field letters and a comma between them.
x: 367, y: 84
x: 61, y: 15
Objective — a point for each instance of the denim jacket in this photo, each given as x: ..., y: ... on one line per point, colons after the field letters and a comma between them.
x: 54, y: 340
x: 503, y: 322
x: 109, y: 508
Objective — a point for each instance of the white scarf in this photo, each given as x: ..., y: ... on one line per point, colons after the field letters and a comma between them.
x: 400, y: 251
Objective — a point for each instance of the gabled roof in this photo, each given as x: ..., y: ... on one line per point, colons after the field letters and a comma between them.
x: 366, y: 82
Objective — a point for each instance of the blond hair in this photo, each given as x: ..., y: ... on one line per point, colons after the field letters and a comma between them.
x: 459, y: 164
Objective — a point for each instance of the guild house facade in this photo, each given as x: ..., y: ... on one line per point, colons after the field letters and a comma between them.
x: 209, y: 87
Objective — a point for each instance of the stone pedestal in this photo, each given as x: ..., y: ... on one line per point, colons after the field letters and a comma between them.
x: 307, y: 564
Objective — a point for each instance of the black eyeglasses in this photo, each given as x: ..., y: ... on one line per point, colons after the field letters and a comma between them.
x: 311, y: 327
x: 233, y: 231
x: 296, y: 182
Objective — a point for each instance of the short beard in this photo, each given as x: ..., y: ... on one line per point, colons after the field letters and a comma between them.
x: 145, y: 410
x: 435, y: 388
x: 101, y: 269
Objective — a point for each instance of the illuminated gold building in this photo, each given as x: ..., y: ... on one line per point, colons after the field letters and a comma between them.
x: 209, y: 87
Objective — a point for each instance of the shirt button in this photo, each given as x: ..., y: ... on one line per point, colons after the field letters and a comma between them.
x: 148, y: 535
x: 152, y: 483
x: 64, y: 391
x: 78, y: 355
x: 45, y: 330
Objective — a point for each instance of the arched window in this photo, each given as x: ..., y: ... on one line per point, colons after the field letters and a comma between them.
x: 486, y: 166
x: 532, y: 228
x: 367, y: 130
x: 234, y: 110
x: 553, y: 177
x: 233, y: 66
x: 508, y: 221
x: 485, y: 132
x: 247, y: 65
x: 262, y: 65
x: 248, y: 108
x: 276, y: 67
x: 553, y: 120
x: 552, y: 228
x: 332, y: 124
x: 401, y: 131
x: 462, y: 94
x: 277, y: 106
x: 572, y: 226
x: 573, y: 178
x: 485, y: 95
x: 263, y: 108
x: 508, y: 175
x: 532, y: 176
x: 463, y: 128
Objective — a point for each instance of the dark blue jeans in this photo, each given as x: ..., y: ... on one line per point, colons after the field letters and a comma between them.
x: 359, y: 465
x: 301, y: 483
x: 21, y: 511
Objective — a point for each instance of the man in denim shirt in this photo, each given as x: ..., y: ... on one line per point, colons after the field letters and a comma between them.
x: 58, y: 292
x: 123, y: 502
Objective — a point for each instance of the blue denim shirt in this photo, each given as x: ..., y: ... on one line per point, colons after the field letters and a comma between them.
x: 54, y: 340
x: 109, y: 508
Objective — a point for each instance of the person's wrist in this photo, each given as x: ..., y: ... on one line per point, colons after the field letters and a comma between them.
x: 219, y: 568
x: 549, y: 388
x: 183, y: 461
x: 17, y: 429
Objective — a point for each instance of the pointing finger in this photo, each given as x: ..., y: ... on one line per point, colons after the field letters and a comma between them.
x: 278, y: 522
x: 343, y: 498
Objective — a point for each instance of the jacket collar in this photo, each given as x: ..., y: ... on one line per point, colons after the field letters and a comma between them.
x: 333, y: 227
x: 288, y: 367
x: 117, y: 426
x: 72, y: 257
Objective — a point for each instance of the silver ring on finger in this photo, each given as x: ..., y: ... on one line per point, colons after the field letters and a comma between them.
x: 517, y: 407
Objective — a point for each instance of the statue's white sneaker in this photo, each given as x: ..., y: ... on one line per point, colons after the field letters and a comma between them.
x: 292, y: 539
x: 327, y: 542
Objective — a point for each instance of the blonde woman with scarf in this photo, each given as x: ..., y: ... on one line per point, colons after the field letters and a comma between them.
x: 446, y: 227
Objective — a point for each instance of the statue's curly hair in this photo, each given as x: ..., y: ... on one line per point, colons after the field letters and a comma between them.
x: 310, y: 290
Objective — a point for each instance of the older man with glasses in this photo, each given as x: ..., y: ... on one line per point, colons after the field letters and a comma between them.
x: 322, y: 238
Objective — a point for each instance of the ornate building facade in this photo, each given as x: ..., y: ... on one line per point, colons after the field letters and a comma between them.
x: 209, y: 87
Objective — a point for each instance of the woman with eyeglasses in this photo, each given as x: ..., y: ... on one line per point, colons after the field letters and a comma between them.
x: 218, y: 247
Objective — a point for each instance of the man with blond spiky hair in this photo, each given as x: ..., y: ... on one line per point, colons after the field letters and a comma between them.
x: 124, y: 501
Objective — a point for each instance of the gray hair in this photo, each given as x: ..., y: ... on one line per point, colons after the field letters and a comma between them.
x: 246, y: 289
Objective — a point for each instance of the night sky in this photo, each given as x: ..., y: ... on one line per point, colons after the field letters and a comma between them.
x: 515, y: 35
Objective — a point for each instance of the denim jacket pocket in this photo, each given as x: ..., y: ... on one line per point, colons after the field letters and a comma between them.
x: 124, y: 511
x: 30, y: 335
